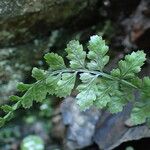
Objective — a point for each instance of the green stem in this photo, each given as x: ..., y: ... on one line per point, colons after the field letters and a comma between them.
x: 98, y: 73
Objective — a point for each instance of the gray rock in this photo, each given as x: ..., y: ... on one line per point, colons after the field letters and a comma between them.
x: 111, y: 134
x: 81, y: 125
x: 106, y: 130
x: 111, y: 130
x: 111, y: 127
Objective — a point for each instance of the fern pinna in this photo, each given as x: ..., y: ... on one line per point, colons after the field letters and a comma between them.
x: 103, y: 90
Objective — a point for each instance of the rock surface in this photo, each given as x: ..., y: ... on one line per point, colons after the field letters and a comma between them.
x: 114, y: 129
x: 24, y: 20
x: 106, y: 130
x: 81, y: 125
x: 137, y: 27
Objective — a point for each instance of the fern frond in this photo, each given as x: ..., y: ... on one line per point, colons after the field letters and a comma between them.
x: 104, y: 90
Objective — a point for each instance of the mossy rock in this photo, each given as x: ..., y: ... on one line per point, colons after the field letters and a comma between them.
x: 24, y: 20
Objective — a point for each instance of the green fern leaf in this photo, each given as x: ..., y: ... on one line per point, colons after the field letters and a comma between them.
x: 15, y: 98
x: 37, y: 92
x: 38, y: 74
x: 117, y: 103
x: 7, y: 108
x: 146, y: 88
x: 66, y: 84
x: 55, y: 61
x: 88, y: 90
x: 130, y: 66
x: 102, y: 94
x: 23, y: 87
x: 51, y: 83
x: 140, y: 113
x: 97, y: 53
x: 76, y: 55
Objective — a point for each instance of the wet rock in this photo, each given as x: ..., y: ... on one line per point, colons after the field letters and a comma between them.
x: 24, y: 20
x: 80, y: 125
